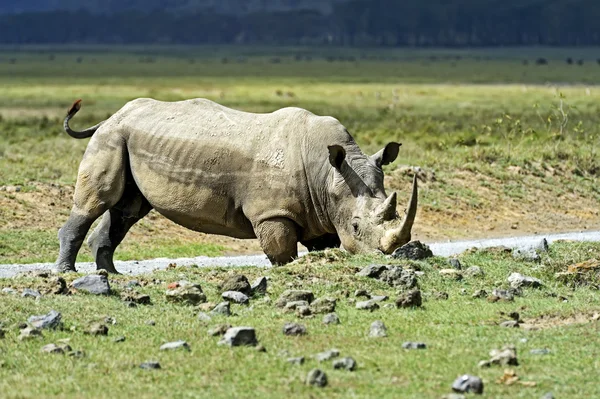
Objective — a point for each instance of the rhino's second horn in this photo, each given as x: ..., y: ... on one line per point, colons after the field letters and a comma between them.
x: 395, y: 238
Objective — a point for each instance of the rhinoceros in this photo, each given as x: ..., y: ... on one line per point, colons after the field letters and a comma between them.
x: 283, y: 177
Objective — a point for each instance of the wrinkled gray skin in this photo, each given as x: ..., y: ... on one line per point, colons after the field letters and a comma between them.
x: 284, y: 177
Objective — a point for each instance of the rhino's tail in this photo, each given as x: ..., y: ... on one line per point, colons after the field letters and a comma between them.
x: 84, y: 133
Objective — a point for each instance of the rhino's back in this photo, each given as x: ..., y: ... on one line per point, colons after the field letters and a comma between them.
x: 210, y: 168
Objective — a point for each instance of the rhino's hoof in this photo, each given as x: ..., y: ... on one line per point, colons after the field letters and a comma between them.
x: 110, y: 270
x: 62, y: 268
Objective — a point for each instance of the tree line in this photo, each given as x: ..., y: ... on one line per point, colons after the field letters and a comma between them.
x: 351, y: 23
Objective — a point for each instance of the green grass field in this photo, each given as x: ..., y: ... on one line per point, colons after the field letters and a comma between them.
x: 458, y: 332
x: 507, y: 146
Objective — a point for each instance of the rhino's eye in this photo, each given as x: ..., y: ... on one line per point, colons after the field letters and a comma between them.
x: 355, y: 226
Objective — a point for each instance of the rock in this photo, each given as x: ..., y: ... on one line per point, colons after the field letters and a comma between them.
x: 29, y: 293
x: 507, y: 356
x: 207, y: 306
x: 346, y: 363
x: 150, y: 323
x: 414, y: 345
x: 316, y: 378
x: 237, y: 283
x: 323, y: 305
x: 396, y: 276
x: 187, y: 293
x: 409, y: 299
x: 133, y: 283
x: 239, y: 336
x: 362, y: 293
x: 541, y: 246
x: 221, y: 329
x: 451, y: 274
x: 93, y: 284
x: 331, y: 318
x: 119, y: 339
x: 377, y: 329
x: 222, y: 309
x: 501, y: 295
x: 303, y: 311
x: 543, y: 351
x: 9, y: 291
x: 455, y: 263
x: 29, y: 333
x: 52, y: 320
x: 53, y: 348
x: 169, y: 346
x: 205, y: 317
x: 414, y: 250
x: 517, y: 280
x: 327, y: 355
x: 510, y: 324
x: 294, y: 329
x: 367, y: 305
x: 293, y: 296
x: 136, y: 297
x: 372, y: 271
x: 467, y: 384
x: 299, y: 361
x: 97, y: 329
x: 259, y: 286
x: 526, y: 254
x: 150, y: 365
x: 548, y: 395
x: 130, y: 304
x: 292, y: 306
x: 474, y: 272
x: 479, y: 294
x: 442, y: 296
x: 77, y: 354
x: 235, y: 297
x: 2, y: 333
x: 454, y: 396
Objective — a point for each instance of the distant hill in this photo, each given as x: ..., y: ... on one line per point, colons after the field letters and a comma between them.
x: 224, y: 7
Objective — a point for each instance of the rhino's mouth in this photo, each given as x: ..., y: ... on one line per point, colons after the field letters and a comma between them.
x: 396, y: 237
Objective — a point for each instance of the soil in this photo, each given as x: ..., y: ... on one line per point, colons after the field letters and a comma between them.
x: 549, y: 321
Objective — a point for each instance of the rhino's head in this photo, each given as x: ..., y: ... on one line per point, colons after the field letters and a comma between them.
x: 365, y: 218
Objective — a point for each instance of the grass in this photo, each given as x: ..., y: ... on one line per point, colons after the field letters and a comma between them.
x: 459, y: 332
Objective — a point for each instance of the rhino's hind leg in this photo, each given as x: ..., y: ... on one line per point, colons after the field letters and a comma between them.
x: 279, y: 240
x: 323, y: 242
x: 113, y: 227
x: 71, y: 236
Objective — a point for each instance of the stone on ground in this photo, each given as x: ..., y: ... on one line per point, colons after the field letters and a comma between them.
x: 452, y: 274
x: 414, y: 345
x: 293, y: 296
x: 186, y: 293
x: 97, y: 329
x: 396, y: 276
x: 323, y: 305
x: 220, y: 329
x: 327, y: 355
x: 474, y: 271
x: 294, y: 329
x: 378, y: 329
x: 52, y: 320
x: 150, y: 365
x: 370, y: 305
x: 316, y: 378
x: 223, y: 309
x: 331, y: 318
x: 259, y: 286
x: 30, y: 293
x: 93, y: 283
x: 235, y: 297
x: 409, y: 299
x: 372, y: 271
x: 239, y: 336
x: 346, y: 363
x: 468, y: 384
x: 517, y: 280
x: 30, y: 333
x: 414, y: 250
x: 175, y: 345
x: 295, y: 360
x: 238, y: 283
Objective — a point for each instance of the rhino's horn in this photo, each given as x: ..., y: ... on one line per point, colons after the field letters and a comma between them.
x: 387, y: 210
x: 397, y: 237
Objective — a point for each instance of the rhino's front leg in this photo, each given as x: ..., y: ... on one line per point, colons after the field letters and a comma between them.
x: 278, y: 239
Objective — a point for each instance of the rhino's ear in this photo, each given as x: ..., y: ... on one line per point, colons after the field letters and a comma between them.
x: 386, y: 155
x: 337, y: 154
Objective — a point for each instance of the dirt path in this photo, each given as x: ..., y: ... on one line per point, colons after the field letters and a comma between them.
x: 441, y: 249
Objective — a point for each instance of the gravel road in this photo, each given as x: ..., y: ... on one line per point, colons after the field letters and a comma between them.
x: 441, y: 249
